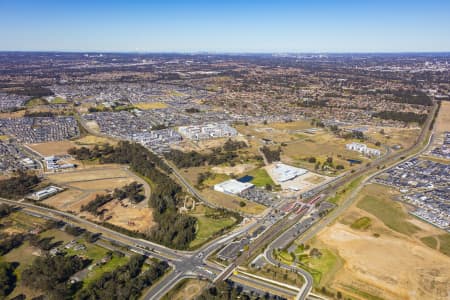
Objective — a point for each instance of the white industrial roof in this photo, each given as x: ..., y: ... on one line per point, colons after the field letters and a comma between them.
x: 283, y: 172
x: 232, y: 186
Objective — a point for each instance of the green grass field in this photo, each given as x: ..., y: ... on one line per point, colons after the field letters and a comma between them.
x: 208, y: 226
x: 278, y: 274
x: 36, y: 102
x: 321, y: 268
x: 345, y: 191
x: 261, y: 178
x: 215, y: 178
x: 98, y: 271
x: 59, y: 100
x: 389, y: 212
x: 362, y: 223
x: 285, y: 257
x: 430, y: 241
x: 445, y: 243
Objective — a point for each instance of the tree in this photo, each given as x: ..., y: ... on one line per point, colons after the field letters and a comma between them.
x: 7, y: 279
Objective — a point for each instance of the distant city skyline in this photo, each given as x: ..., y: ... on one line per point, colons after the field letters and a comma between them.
x: 320, y: 26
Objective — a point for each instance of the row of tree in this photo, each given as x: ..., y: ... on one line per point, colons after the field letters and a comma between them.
x: 408, y: 117
x: 412, y: 97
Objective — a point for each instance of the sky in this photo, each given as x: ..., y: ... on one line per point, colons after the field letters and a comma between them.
x: 225, y: 26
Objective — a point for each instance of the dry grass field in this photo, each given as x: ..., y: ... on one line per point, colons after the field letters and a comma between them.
x: 321, y: 146
x: 236, y: 170
x: 52, y: 148
x: 276, y: 132
x: 150, y: 105
x: 443, y: 120
x: 186, y: 289
x: 232, y: 202
x: 89, y: 140
x: 385, y: 259
x: 16, y: 114
x: 404, y: 137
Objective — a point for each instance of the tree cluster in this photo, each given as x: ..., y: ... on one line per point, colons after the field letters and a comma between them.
x: 45, y: 243
x: 5, y: 210
x: 217, y: 155
x: 271, y: 155
x: 39, y: 114
x: 125, y: 282
x: 7, y: 279
x: 74, y: 230
x: 34, y: 91
x: 18, y: 186
x: 93, y: 206
x: 9, y: 242
x: 50, y: 274
x: 408, y: 117
x: 412, y: 97
x: 131, y: 191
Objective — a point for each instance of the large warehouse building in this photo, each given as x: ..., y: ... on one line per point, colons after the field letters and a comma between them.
x: 232, y: 187
x: 283, y: 172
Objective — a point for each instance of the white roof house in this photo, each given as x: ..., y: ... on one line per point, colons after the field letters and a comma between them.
x: 232, y: 186
x: 283, y: 172
x: 362, y: 148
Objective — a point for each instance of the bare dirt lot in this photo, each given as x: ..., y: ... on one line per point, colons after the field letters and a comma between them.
x: 126, y: 215
x: 382, y: 262
x: 52, y: 148
x: 83, y: 185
